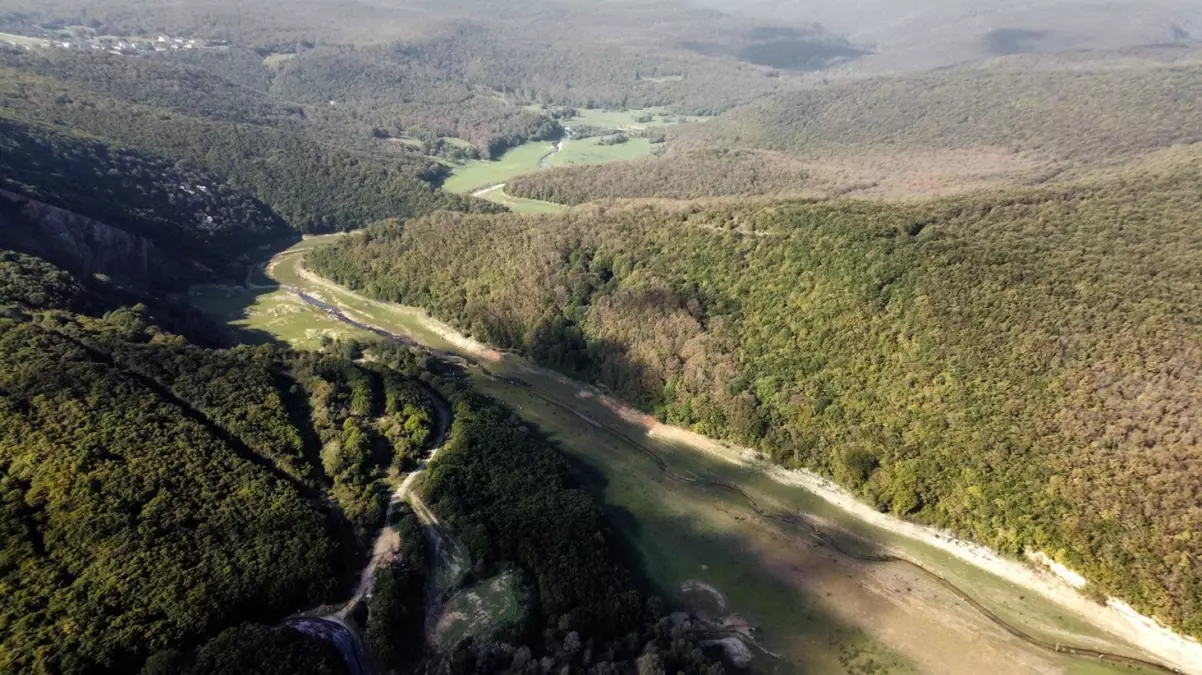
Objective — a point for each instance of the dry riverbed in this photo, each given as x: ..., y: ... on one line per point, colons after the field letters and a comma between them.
x: 814, y: 608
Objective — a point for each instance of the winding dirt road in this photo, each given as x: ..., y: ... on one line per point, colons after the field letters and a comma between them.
x: 332, y: 626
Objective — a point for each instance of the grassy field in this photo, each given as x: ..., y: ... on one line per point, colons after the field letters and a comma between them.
x: 258, y: 316
x: 278, y: 59
x: 24, y: 41
x: 516, y: 161
x: 809, y: 609
x: 526, y: 158
x: 521, y: 204
x: 590, y: 151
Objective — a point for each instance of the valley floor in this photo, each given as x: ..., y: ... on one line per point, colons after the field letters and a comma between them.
x: 799, y: 605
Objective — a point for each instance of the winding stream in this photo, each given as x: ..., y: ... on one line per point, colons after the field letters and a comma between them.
x: 545, y: 161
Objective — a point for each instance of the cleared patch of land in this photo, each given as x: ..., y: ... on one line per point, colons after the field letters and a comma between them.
x: 497, y: 194
x: 278, y: 59
x: 24, y: 41
x: 479, y: 611
x: 592, y: 151
x: 480, y: 173
x: 803, y: 606
x: 264, y: 315
x: 527, y: 158
x: 639, y: 118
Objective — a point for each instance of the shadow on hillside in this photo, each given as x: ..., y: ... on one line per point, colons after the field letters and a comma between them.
x: 776, y: 581
x: 225, y: 304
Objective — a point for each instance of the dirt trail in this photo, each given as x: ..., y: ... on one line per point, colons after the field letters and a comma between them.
x: 332, y: 626
x: 1184, y: 655
x: 487, y: 189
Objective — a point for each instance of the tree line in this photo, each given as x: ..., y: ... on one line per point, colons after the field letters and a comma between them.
x: 685, y: 175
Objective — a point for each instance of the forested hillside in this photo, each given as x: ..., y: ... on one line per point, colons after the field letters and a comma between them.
x: 1057, y: 114
x: 164, y: 507
x: 312, y: 185
x: 189, y: 213
x: 1022, y: 121
x: 692, y: 175
x: 457, y: 69
x: 1019, y: 367
x: 155, y: 493
x: 157, y: 81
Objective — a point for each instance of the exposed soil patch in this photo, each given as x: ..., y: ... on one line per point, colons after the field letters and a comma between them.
x: 703, y: 600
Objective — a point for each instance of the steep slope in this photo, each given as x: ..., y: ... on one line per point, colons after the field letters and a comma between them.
x: 310, y: 184
x: 1019, y: 367
x: 135, y: 217
x: 130, y: 523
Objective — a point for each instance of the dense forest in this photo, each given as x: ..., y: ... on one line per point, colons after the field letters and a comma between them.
x: 507, y: 494
x: 1024, y: 121
x: 400, y: 95
x: 145, y: 481
x: 312, y: 185
x: 1019, y: 367
x: 189, y: 213
x: 164, y: 506
x: 426, y: 72
x: 1054, y: 114
x: 544, y: 51
x: 686, y: 175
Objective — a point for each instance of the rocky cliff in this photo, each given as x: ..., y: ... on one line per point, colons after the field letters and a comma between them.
x: 89, y: 247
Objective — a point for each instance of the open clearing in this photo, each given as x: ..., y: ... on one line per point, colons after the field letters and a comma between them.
x: 497, y: 194
x: 590, y: 151
x: 23, y: 40
x: 476, y: 174
x: 479, y: 611
x: 277, y: 59
x: 473, y: 176
x: 263, y: 315
x: 806, y: 607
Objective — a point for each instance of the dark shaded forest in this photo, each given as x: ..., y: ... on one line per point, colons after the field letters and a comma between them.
x: 1021, y: 368
x: 189, y: 213
x: 312, y: 185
